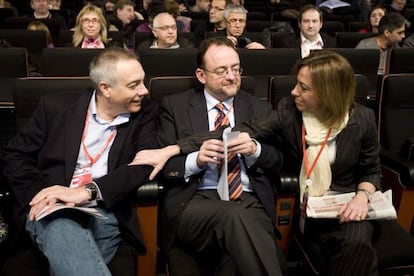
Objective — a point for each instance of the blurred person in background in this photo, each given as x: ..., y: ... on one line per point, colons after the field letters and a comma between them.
x: 236, y: 18
x: 164, y: 29
x: 374, y: 18
x: 91, y: 29
x: 37, y: 25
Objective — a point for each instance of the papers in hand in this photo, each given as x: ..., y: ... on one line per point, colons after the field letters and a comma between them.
x: 328, y: 206
x: 49, y: 209
x: 223, y: 185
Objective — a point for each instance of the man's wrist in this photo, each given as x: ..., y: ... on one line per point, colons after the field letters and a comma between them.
x: 92, y: 189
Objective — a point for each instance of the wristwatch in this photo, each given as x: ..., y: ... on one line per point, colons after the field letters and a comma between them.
x: 92, y: 190
x: 367, y: 193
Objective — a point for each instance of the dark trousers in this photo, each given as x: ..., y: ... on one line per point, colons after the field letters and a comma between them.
x: 241, y: 229
x: 346, y: 249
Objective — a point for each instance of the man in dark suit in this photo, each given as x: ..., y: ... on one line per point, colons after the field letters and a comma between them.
x: 75, y: 151
x: 194, y: 216
x: 309, y: 36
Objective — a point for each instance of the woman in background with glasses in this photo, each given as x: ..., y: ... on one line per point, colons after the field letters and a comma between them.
x: 91, y: 29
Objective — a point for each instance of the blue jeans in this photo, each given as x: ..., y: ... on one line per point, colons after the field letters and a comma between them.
x: 75, y: 243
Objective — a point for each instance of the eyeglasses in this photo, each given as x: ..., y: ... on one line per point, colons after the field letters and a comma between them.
x: 221, y: 72
x: 90, y: 20
x: 166, y: 27
x: 234, y: 21
x: 216, y: 9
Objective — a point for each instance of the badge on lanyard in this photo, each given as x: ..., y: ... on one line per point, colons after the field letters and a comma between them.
x: 81, y: 176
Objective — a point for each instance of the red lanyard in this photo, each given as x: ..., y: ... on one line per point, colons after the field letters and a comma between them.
x: 305, y: 154
x: 91, y: 159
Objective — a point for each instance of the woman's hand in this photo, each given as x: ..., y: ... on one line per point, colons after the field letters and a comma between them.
x: 355, y: 210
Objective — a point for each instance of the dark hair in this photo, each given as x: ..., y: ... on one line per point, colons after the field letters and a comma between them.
x: 390, y: 22
x: 207, y: 43
x: 377, y: 7
x: 119, y: 5
x: 307, y: 8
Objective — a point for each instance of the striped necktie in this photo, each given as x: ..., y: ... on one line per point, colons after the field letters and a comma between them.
x: 233, y: 165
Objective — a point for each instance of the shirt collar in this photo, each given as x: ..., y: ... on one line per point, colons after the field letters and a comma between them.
x: 155, y: 45
x: 318, y: 40
x: 211, y: 102
x: 120, y: 119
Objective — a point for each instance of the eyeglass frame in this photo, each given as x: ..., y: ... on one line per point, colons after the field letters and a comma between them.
x: 221, y: 74
x: 90, y: 20
x: 165, y: 27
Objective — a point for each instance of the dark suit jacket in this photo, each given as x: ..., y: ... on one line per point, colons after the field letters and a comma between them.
x: 45, y: 153
x: 185, y: 114
x: 293, y: 41
x: 357, y: 154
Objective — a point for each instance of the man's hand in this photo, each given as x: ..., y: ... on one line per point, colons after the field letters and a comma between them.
x: 57, y: 193
x: 243, y: 144
x: 156, y: 158
x: 211, y: 151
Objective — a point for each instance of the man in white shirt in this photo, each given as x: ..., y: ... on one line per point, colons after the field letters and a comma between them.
x: 309, y: 38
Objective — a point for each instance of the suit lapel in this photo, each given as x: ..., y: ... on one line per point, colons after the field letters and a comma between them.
x: 197, y: 113
x: 243, y: 110
x: 118, y: 144
x: 74, y: 125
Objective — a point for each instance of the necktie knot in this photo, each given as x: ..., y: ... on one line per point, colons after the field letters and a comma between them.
x: 220, y: 107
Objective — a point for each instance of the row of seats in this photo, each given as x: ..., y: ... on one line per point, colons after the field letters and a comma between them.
x: 74, y: 62
x: 35, y: 41
x: 396, y: 103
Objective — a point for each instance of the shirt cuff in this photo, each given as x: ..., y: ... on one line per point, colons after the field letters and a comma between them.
x: 251, y: 159
x: 191, y: 167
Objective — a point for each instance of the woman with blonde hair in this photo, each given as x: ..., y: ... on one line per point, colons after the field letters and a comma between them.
x: 91, y: 29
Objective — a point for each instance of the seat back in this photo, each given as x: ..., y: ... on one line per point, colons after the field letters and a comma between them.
x: 33, y: 41
x: 28, y: 91
x: 350, y: 39
x: 13, y: 63
x: 363, y: 61
x: 168, y: 62
x: 332, y: 27
x: 67, y: 62
x: 65, y: 37
x: 355, y: 26
x: 401, y: 61
x: 282, y: 85
x: 22, y: 22
x: 396, y: 111
x: 160, y: 87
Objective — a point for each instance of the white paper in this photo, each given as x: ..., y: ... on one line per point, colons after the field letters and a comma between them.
x: 47, y: 210
x: 223, y: 185
x: 328, y: 206
x: 333, y: 4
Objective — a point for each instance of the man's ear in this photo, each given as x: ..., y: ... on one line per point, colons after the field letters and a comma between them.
x: 104, y: 88
x: 387, y: 33
x: 200, y: 75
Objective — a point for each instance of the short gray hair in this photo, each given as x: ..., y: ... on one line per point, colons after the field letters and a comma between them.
x: 233, y: 9
x: 104, y: 66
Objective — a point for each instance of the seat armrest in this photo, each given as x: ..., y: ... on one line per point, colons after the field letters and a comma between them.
x: 149, y: 192
x: 404, y: 167
x: 289, y: 183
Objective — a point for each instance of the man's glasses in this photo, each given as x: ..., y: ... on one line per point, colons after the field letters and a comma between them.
x: 166, y: 27
x: 90, y: 20
x: 221, y: 72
